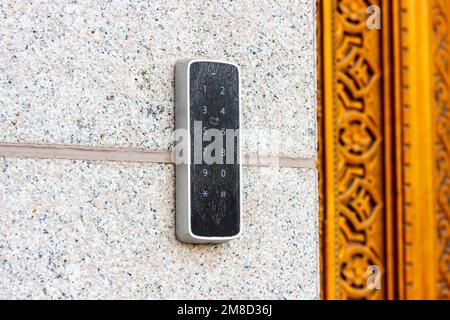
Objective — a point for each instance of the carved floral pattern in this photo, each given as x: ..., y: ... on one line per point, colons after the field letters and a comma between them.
x: 441, y: 25
x: 359, y: 149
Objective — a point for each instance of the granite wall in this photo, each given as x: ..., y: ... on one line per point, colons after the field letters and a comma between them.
x: 98, y: 77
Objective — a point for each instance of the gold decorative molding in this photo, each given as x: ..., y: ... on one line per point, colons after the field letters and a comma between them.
x: 353, y: 149
x: 440, y: 11
x: 415, y: 149
x: 384, y: 154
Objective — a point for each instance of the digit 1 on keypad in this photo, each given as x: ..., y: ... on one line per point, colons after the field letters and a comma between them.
x: 208, y: 196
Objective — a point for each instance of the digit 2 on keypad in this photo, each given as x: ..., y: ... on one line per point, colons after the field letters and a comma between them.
x: 208, y: 196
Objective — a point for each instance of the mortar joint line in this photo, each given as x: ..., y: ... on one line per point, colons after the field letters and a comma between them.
x: 91, y: 153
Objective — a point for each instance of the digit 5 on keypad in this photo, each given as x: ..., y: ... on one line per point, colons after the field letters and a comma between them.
x: 208, y: 194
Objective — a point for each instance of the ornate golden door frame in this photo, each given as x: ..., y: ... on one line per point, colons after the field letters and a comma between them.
x: 384, y: 149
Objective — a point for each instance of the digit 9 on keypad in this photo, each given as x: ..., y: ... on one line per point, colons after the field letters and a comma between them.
x: 208, y: 186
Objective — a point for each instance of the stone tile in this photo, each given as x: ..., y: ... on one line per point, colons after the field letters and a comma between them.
x: 101, y: 74
x: 80, y: 229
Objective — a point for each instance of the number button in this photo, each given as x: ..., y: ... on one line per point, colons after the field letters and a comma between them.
x: 222, y: 91
x: 205, y: 109
x: 223, y: 194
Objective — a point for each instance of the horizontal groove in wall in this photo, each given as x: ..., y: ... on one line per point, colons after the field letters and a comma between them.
x: 71, y: 152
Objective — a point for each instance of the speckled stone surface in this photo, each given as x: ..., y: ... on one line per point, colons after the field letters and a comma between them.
x: 100, y: 73
x: 78, y: 229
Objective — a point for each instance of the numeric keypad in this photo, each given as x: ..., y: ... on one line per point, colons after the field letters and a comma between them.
x: 213, y: 212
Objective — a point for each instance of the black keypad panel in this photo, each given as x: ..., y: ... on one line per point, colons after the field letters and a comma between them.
x: 215, y: 195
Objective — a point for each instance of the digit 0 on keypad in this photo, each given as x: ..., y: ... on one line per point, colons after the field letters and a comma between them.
x: 208, y: 193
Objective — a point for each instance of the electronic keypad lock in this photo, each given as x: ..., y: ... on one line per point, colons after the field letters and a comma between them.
x: 208, y: 181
